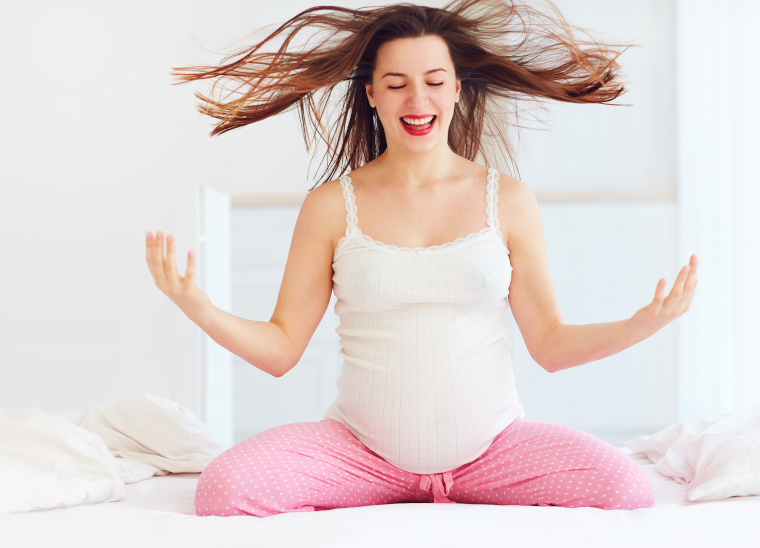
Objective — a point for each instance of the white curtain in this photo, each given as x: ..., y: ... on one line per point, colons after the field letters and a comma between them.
x: 718, y: 121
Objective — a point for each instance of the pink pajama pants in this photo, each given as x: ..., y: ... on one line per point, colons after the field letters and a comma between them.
x: 320, y: 466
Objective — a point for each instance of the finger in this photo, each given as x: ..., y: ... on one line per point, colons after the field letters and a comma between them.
x: 689, y: 289
x: 677, y: 289
x: 158, y: 249
x: 691, y: 279
x: 158, y: 257
x: 152, y: 258
x: 149, y: 247
x: 170, y: 267
x: 687, y: 297
x: 686, y: 303
x: 660, y: 291
x: 190, y: 272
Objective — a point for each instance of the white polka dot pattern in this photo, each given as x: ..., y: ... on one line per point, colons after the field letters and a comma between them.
x: 320, y: 466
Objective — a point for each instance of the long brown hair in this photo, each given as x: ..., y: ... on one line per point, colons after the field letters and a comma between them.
x: 504, y: 52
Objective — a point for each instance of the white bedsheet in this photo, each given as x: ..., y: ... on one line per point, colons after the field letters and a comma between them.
x: 159, y: 512
x: 717, y: 456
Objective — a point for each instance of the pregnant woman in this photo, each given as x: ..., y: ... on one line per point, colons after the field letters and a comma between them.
x: 425, y: 249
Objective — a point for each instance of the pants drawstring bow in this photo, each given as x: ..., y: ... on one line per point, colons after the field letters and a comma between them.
x: 441, y: 484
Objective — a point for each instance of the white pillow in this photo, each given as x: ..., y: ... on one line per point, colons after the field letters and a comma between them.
x: 154, y: 431
x: 719, y: 457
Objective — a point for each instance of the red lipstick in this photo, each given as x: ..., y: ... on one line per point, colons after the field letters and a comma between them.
x: 418, y: 129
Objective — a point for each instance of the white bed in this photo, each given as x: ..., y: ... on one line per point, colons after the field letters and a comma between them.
x: 159, y: 512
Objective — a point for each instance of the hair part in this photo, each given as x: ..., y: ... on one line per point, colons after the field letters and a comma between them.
x: 503, y: 52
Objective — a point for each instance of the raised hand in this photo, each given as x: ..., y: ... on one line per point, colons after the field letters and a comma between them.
x: 182, y: 290
x: 663, y: 310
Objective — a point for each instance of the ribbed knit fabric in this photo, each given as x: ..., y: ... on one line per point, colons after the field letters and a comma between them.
x: 427, y: 379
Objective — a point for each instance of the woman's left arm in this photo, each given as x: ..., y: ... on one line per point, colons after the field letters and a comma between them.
x: 552, y: 344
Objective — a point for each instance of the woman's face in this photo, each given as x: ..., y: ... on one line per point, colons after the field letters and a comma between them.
x: 414, y: 89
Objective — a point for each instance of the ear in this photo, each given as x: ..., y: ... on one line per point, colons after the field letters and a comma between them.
x: 370, y: 94
x: 458, y: 89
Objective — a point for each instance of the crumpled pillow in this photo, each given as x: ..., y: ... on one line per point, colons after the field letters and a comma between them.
x: 719, y: 456
x: 52, y: 460
x: 154, y: 431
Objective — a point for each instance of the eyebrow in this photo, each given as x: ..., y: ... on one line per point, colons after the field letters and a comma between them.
x: 402, y: 74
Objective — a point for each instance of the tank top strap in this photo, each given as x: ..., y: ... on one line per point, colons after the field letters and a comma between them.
x: 492, y: 199
x: 352, y: 220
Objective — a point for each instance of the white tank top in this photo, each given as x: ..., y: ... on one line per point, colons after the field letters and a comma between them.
x: 427, y: 380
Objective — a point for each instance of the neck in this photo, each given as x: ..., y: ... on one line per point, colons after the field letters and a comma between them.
x: 419, y: 168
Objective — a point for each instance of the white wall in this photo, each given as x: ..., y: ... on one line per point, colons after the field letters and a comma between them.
x: 719, y: 129
x: 605, y: 148
x: 97, y: 148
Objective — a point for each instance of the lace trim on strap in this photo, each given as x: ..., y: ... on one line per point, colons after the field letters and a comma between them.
x: 352, y: 220
x: 492, y: 211
x: 492, y: 199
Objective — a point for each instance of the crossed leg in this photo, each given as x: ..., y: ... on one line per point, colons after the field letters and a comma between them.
x: 320, y: 466
x: 301, y: 467
x: 537, y: 463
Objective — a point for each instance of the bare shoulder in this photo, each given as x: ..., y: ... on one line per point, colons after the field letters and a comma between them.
x: 326, y: 195
x: 514, y: 191
x: 518, y: 209
x: 323, y: 211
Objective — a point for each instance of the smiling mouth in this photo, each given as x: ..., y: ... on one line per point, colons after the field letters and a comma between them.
x: 418, y: 124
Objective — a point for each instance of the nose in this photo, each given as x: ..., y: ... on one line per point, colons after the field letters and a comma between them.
x: 418, y: 96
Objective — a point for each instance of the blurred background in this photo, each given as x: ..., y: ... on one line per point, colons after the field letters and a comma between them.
x: 97, y: 147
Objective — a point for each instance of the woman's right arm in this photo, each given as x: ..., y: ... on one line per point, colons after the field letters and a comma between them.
x: 275, y: 346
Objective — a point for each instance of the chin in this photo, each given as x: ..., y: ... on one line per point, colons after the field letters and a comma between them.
x: 419, y: 145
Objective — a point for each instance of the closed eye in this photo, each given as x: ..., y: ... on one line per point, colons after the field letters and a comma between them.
x: 429, y: 83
